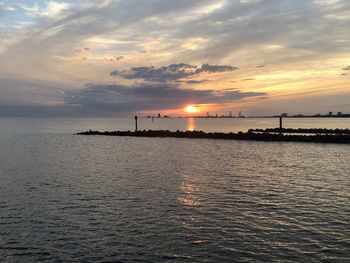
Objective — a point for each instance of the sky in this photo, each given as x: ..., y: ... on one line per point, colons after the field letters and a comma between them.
x: 123, y: 57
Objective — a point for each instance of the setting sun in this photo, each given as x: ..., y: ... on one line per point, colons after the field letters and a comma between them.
x: 191, y: 109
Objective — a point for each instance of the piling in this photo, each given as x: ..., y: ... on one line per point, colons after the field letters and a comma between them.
x: 281, y: 126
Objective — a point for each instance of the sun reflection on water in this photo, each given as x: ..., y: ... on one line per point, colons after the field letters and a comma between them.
x: 191, y: 125
x: 187, y: 197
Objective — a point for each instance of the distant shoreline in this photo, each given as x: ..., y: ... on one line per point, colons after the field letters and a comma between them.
x: 252, y: 117
x: 325, y: 136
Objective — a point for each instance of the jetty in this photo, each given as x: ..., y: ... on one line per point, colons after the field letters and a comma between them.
x: 302, y: 131
x: 270, y: 135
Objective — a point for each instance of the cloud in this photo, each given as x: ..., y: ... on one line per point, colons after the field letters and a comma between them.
x: 291, y: 37
x: 50, y: 10
x: 115, y: 59
x: 346, y: 72
x: 171, y: 72
x: 54, y: 9
x: 259, y: 24
x: 216, y: 68
x: 28, y: 91
x: 7, y: 7
x: 113, y: 97
x: 192, y: 81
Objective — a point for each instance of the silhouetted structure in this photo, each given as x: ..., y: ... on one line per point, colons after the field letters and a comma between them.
x: 135, y: 122
x: 281, y: 124
x: 251, y: 135
x: 304, y: 130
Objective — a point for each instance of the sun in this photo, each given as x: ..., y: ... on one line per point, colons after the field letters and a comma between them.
x: 191, y: 109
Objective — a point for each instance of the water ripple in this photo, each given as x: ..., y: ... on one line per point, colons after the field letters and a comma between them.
x: 80, y: 199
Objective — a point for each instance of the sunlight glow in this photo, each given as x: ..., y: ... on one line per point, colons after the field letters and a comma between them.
x: 190, y: 124
x: 191, y: 109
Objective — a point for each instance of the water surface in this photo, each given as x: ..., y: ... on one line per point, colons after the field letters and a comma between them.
x: 67, y: 198
x: 74, y: 125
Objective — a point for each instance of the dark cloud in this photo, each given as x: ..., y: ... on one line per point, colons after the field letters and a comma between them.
x: 216, y: 68
x: 170, y: 73
x: 14, y: 111
x: 346, y: 72
x: 121, y: 98
x: 29, y: 91
x: 192, y: 81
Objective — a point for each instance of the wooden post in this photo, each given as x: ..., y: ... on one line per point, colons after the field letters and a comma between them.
x: 281, y: 126
x: 135, y: 122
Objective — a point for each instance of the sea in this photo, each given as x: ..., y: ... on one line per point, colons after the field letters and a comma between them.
x: 71, y: 198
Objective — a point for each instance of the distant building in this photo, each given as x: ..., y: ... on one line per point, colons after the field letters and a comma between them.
x: 284, y: 114
x: 159, y: 115
x: 339, y: 113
